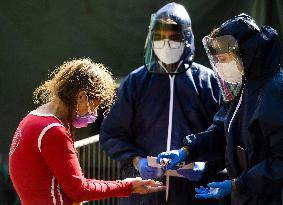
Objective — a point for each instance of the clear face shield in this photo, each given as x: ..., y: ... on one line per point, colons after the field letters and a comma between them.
x: 164, y: 46
x: 224, y: 56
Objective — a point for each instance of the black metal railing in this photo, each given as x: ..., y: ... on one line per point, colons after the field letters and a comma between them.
x: 96, y: 164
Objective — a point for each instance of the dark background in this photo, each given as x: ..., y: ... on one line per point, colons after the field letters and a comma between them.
x: 38, y: 35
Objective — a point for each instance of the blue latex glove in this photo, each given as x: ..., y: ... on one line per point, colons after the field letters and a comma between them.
x: 202, y: 190
x: 194, y: 174
x: 148, y: 172
x: 216, y: 190
x: 176, y: 157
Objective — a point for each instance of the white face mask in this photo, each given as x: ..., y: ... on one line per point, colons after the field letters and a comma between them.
x: 169, y: 55
x: 229, y: 72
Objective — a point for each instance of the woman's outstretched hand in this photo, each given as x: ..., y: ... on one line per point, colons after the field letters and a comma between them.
x: 145, y: 186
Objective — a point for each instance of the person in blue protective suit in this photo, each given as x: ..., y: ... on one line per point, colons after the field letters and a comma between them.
x: 248, y: 129
x: 159, y: 104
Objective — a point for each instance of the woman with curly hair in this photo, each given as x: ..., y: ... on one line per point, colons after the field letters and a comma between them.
x: 43, y: 162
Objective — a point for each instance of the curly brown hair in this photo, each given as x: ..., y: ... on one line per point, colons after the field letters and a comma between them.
x: 74, y: 76
x: 215, y: 33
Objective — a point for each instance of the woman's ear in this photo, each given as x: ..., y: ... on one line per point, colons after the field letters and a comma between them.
x: 82, y: 97
x: 82, y: 103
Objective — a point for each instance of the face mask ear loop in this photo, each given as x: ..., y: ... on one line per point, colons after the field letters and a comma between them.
x: 77, y: 110
x: 88, y: 106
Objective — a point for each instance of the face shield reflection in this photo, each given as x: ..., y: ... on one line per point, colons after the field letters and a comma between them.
x: 224, y: 57
x: 174, y: 39
x: 164, y: 46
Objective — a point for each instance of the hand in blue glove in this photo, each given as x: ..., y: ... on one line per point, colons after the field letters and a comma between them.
x: 176, y: 157
x: 216, y: 190
x: 194, y: 174
x: 148, y: 172
x: 202, y: 190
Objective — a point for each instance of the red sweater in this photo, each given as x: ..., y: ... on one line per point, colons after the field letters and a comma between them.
x: 44, y: 167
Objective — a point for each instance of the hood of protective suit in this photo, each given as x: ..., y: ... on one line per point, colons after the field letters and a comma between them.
x: 177, y: 13
x: 259, y: 48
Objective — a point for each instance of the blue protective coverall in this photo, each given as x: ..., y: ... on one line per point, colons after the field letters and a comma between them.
x: 138, y: 123
x: 249, y: 130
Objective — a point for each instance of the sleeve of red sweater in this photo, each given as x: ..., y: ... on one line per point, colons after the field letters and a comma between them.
x: 59, y: 153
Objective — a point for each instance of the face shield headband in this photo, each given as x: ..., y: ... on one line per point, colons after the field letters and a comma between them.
x: 223, y: 54
x: 164, y: 46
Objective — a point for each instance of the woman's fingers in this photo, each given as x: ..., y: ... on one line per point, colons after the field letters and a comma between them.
x: 146, y: 186
x: 150, y: 189
x: 151, y: 183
